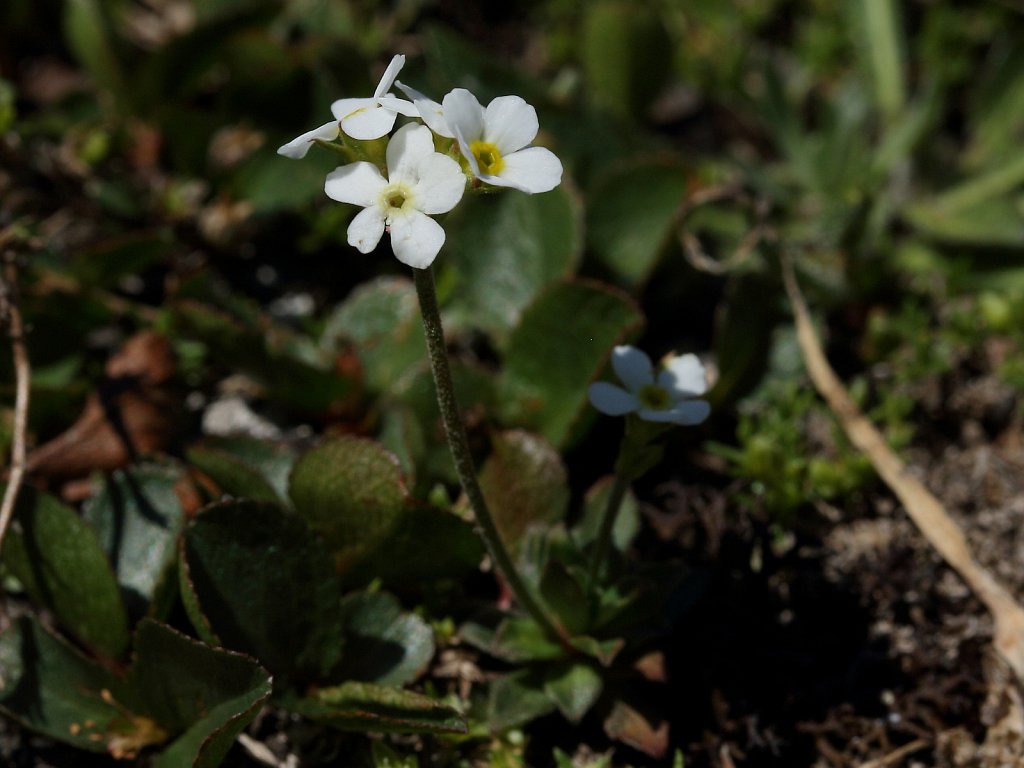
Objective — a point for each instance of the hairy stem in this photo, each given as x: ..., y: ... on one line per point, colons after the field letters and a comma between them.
x: 456, y: 431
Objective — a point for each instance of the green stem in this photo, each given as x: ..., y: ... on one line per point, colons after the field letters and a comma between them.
x: 459, y: 445
x: 604, y: 533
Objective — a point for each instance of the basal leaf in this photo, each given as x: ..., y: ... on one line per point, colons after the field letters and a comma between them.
x: 51, y: 688
x: 383, y: 644
x: 557, y: 349
x: 232, y: 475
x: 631, y: 216
x: 256, y: 578
x: 516, y: 699
x: 525, y: 484
x: 574, y: 688
x: 504, y: 250
x: 203, y: 697
x: 378, y: 709
x: 351, y: 491
x: 58, y: 559
x: 137, y: 516
x: 382, y: 319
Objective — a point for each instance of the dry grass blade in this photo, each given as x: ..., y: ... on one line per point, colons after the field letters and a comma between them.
x: 22, y: 376
x: 926, y: 511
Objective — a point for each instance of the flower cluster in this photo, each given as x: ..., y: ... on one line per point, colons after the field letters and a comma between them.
x: 670, y: 396
x: 478, y: 145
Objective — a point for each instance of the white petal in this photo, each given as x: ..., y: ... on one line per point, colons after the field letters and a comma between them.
x: 401, y: 106
x: 429, y: 110
x: 684, y: 375
x: 474, y: 166
x: 416, y: 239
x: 388, y: 79
x: 464, y: 115
x: 685, y: 412
x: 510, y: 124
x: 298, y: 147
x: 610, y: 399
x: 532, y: 170
x: 441, y: 184
x: 358, y: 184
x: 343, y: 108
x: 366, y: 229
x: 407, y: 150
x: 370, y: 123
x: 633, y: 367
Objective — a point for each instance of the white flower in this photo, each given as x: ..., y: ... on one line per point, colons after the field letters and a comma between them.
x: 495, y: 141
x: 297, y: 148
x: 429, y: 110
x: 359, y: 118
x: 374, y: 117
x: 420, y: 182
x: 669, y: 396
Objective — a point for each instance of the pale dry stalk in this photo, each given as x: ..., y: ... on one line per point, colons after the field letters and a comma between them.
x: 924, y: 509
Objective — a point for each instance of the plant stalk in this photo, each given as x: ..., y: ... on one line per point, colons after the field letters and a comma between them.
x: 455, y: 430
x: 604, y: 532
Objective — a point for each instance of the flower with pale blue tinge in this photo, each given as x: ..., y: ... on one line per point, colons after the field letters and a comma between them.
x: 668, y: 395
x: 496, y: 141
x: 421, y: 183
x: 359, y: 118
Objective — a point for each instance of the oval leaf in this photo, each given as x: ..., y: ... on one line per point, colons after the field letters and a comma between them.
x: 352, y: 492
x: 383, y: 644
x: 260, y: 581
x: 58, y: 559
x: 504, y: 250
x: 525, y: 484
x: 137, y: 516
x: 556, y: 351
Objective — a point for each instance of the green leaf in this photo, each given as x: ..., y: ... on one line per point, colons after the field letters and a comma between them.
x: 426, y: 545
x: 232, y: 475
x: 515, y: 639
x: 744, y: 326
x: 474, y: 387
x: 378, y: 709
x: 631, y: 216
x: 51, y: 688
x: 627, y: 522
x: 202, y: 696
x: 504, y: 249
x: 352, y: 492
x: 271, y: 460
x: 257, y: 580
x: 979, y: 211
x: 525, y: 484
x: 563, y: 591
x: 137, y: 516
x: 574, y: 688
x: 383, y: 644
x: 626, y: 55
x: 382, y: 319
x: 516, y: 699
x: 559, y: 347
x: 87, y: 30
x: 57, y: 558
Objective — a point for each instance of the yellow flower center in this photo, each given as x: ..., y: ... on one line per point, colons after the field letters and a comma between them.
x: 654, y: 397
x: 488, y: 157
